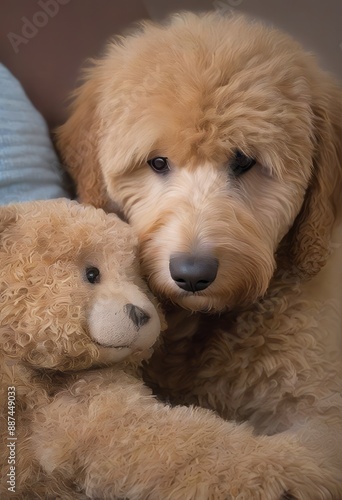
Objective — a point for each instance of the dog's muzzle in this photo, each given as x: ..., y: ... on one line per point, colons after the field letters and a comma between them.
x: 192, y: 272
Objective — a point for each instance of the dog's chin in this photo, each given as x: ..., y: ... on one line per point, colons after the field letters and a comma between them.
x: 208, y: 301
x: 195, y: 302
x: 199, y: 303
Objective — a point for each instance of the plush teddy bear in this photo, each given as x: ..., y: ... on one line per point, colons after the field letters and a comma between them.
x: 77, y: 421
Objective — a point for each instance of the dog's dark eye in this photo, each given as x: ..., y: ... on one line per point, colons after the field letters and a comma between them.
x: 159, y: 164
x: 241, y: 163
x: 93, y: 275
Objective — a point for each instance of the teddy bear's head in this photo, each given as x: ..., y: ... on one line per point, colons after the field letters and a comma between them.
x: 70, y: 291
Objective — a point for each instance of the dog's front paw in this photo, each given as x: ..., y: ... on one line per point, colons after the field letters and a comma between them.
x: 291, y: 475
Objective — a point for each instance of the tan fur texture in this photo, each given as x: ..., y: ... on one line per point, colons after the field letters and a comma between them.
x: 85, y: 429
x: 196, y: 90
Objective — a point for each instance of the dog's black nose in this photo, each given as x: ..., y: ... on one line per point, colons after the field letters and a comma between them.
x: 193, y: 272
x: 137, y: 315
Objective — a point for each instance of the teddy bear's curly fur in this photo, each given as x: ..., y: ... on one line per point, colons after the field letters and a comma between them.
x: 220, y: 141
x: 86, y: 425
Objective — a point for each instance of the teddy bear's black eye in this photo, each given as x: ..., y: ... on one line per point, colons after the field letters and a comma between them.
x: 159, y: 164
x: 93, y: 275
x: 241, y: 163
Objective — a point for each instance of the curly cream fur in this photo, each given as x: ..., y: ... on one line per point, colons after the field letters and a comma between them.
x: 195, y: 90
x: 99, y: 433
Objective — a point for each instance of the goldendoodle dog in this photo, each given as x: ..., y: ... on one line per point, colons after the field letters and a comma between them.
x: 220, y: 141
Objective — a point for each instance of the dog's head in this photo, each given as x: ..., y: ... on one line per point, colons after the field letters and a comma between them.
x: 220, y: 140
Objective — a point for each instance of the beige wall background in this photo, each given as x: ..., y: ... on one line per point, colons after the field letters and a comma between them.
x: 44, y: 42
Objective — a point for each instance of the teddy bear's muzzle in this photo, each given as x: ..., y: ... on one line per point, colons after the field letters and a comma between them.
x: 124, y: 326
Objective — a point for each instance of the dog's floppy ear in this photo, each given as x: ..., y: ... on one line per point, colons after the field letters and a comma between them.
x: 77, y: 140
x: 308, y: 241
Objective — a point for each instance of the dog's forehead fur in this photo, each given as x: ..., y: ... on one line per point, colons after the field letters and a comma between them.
x: 237, y: 93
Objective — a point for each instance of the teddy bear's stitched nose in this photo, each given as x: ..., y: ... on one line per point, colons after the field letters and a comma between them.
x: 137, y: 315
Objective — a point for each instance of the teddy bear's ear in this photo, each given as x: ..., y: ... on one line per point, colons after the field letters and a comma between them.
x: 308, y: 241
x: 77, y: 141
x: 8, y: 216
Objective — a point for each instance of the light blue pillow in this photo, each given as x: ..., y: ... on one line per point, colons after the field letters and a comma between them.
x: 29, y: 167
